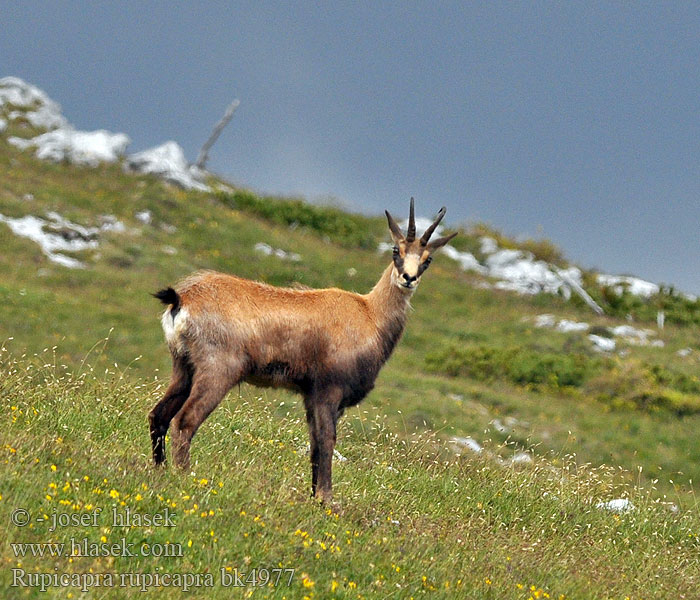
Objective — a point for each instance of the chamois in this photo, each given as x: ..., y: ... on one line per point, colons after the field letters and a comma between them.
x: 327, y: 344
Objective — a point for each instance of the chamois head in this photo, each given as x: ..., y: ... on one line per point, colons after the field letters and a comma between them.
x: 413, y: 256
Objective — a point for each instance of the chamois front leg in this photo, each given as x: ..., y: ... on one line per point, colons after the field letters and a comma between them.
x: 163, y: 412
x: 322, y: 430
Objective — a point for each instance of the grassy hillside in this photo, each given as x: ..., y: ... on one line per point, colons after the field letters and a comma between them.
x: 448, y: 373
x: 409, y: 521
x: 471, y: 363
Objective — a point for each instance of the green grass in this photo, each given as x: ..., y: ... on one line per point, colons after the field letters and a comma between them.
x: 471, y: 363
x: 410, y: 520
x: 554, y: 378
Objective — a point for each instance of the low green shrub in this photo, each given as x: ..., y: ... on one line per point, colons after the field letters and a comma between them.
x: 676, y: 380
x: 339, y: 226
x: 679, y: 403
x: 545, y: 250
x: 678, y: 308
x: 635, y: 386
x: 554, y: 370
x: 522, y: 366
x: 483, y: 363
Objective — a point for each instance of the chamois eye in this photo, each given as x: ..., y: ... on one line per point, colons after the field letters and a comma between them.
x: 395, y: 250
x: 428, y: 260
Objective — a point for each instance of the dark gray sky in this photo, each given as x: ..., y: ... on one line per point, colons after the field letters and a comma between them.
x: 578, y: 122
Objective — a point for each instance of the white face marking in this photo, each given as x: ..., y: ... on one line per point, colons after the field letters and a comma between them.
x: 411, y: 263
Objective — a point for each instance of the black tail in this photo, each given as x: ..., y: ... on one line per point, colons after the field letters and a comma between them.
x: 169, y: 296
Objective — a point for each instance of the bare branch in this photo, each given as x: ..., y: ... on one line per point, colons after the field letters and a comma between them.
x: 204, y: 152
x: 574, y: 285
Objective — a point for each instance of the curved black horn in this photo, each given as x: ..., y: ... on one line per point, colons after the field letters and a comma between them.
x: 429, y: 231
x: 395, y: 229
x: 411, y: 233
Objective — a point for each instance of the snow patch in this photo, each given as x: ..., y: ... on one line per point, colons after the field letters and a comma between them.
x: 466, y: 260
x: 518, y: 271
x: 545, y: 320
x: 619, y: 505
x: 268, y: 250
x: 488, y: 245
x: 521, y: 458
x: 77, y: 147
x: 632, y: 335
x: 167, y: 161
x: 629, y: 334
x: 566, y: 326
x: 110, y: 223
x: 61, y: 141
x: 633, y: 285
x: 59, y: 234
x: 602, y: 344
x: 144, y: 216
x: 498, y: 426
x: 513, y: 422
x: 39, y: 109
x: 468, y: 443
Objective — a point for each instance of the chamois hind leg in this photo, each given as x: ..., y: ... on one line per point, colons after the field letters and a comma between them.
x: 324, y: 409
x: 163, y: 412
x: 208, y: 390
x: 313, y: 445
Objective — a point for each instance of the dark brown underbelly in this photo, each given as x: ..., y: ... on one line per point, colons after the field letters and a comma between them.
x: 272, y: 381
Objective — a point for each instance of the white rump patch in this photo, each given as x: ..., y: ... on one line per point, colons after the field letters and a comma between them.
x: 173, y: 328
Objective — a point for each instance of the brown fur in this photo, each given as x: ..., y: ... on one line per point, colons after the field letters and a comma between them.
x: 329, y: 345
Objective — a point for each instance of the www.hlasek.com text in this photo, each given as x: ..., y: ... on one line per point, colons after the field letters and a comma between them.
x: 78, y: 548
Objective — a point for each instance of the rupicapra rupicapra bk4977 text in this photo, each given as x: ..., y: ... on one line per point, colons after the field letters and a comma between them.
x: 328, y: 344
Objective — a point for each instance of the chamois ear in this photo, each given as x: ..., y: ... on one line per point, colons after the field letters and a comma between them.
x: 440, y: 242
x: 396, y: 234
